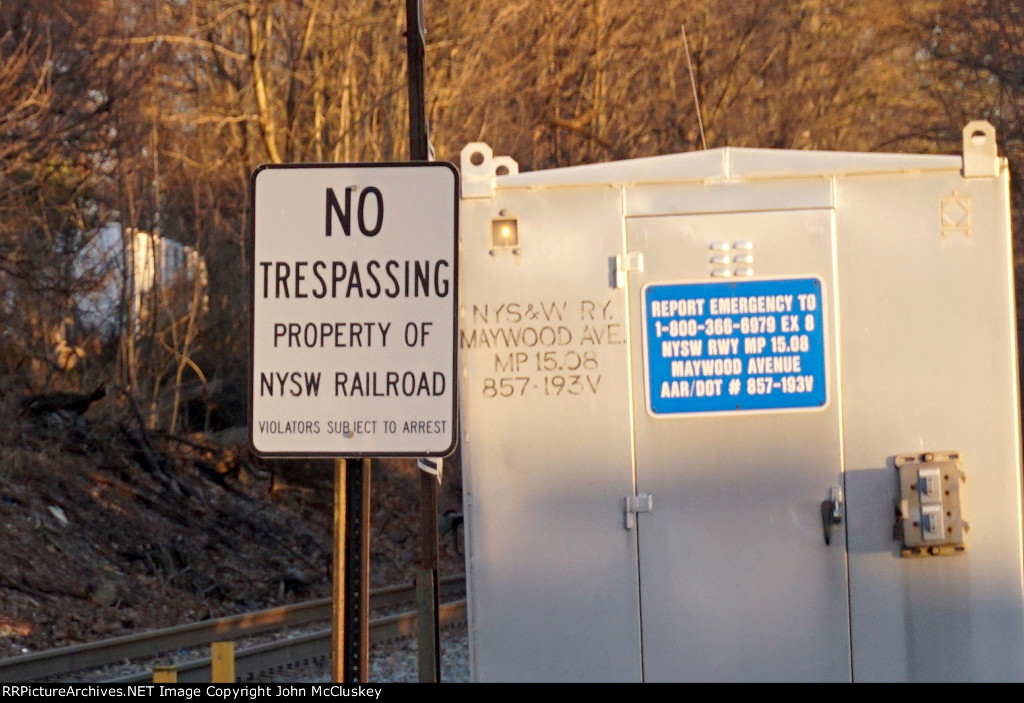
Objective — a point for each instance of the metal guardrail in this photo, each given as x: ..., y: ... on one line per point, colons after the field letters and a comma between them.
x: 66, y: 660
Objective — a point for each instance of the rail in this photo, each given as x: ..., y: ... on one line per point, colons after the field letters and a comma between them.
x: 67, y: 660
x: 282, y: 655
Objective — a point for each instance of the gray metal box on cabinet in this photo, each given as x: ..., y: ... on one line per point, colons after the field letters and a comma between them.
x: 742, y: 415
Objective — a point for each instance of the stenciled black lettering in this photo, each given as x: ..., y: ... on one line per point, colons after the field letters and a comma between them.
x: 300, y: 276
x: 394, y: 290
x: 334, y: 208
x: 372, y: 278
x: 265, y: 265
x: 318, y: 267
x: 421, y: 279
x: 441, y: 285
x: 281, y: 273
x: 338, y: 274
x: 355, y: 282
x: 371, y: 272
x: 375, y: 230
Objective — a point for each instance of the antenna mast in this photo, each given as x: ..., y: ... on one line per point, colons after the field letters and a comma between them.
x: 693, y: 84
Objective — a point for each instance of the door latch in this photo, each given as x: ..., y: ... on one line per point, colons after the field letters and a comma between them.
x: 832, y: 511
x: 631, y: 262
x: 642, y: 503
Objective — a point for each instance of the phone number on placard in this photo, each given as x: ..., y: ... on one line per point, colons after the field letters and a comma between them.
x: 727, y: 326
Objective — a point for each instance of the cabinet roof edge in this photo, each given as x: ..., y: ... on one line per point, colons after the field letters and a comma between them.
x: 730, y: 163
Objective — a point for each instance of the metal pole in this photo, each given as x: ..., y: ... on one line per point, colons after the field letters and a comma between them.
x: 429, y: 641
x: 338, y: 587
x: 417, y: 82
x: 357, y: 574
x: 426, y: 577
x: 364, y: 568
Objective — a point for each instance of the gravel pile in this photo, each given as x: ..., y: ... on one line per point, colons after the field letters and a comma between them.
x: 396, y: 662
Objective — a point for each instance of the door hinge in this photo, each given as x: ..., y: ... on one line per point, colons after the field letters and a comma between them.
x: 641, y: 503
x: 630, y: 262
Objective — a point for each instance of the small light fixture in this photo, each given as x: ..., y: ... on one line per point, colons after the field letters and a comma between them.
x: 505, y: 233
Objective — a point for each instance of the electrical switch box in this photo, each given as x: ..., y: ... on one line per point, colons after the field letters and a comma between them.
x: 929, y: 518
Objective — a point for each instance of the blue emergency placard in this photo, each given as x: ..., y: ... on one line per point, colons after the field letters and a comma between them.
x: 728, y: 346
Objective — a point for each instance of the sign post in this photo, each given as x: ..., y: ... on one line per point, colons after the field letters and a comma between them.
x: 428, y: 636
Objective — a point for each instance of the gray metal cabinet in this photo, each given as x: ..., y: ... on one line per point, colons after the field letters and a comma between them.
x: 688, y: 384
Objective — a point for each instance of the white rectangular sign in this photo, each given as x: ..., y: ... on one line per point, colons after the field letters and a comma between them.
x: 354, y: 309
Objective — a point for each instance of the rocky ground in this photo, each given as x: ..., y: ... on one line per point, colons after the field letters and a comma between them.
x: 109, y: 528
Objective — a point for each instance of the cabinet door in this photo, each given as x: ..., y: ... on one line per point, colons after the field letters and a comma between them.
x: 547, y: 457
x: 738, y: 441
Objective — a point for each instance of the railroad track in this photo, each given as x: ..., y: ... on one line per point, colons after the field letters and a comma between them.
x: 250, y: 660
